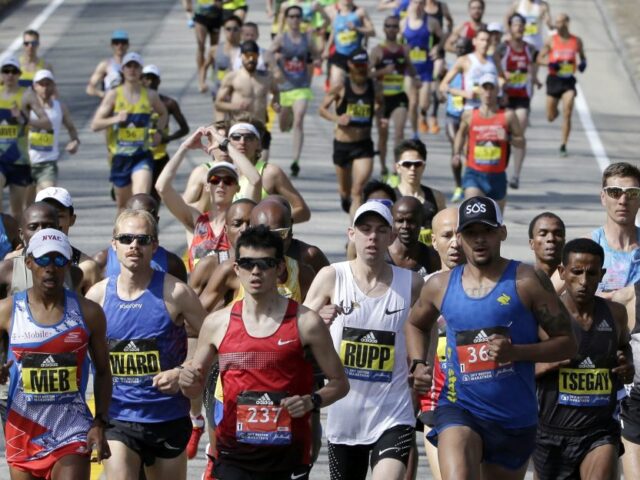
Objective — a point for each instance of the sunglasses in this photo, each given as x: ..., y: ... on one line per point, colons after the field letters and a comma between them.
x: 119, y: 42
x: 410, y: 164
x: 294, y: 16
x: 282, y: 232
x: 45, y: 260
x: 129, y: 238
x: 236, y: 137
x: 11, y: 71
x: 33, y: 43
x: 384, y: 201
x: 232, y: 29
x: 617, y: 192
x: 265, y: 263
x: 228, y: 181
x: 391, y: 25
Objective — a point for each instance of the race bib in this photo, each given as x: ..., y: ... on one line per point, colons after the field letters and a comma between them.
x: 8, y: 133
x: 566, y: 69
x: 472, y: 347
x: 486, y: 153
x: 41, y: 141
x: 531, y: 29
x: 392, y: 83
x: 131, y: 136
x: 294, y: 66
x: 134, y: 361
x: 457, y: 102
x: 584, y: 387
x: 368, y: 355
x: 418, y: 55
x: 49, y: 377
x: 359, y: 112
x: 260, y: 420
x: 347, y: 37
x: 518, y: 79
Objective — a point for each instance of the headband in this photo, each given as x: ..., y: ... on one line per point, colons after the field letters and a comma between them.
x: 244, y: 126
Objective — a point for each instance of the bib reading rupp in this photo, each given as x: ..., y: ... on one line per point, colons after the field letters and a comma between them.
x: 46, y: 406
x: 369, y: 336
x: 492, y: 391
x: 255, y: 432
x: 143, y: 341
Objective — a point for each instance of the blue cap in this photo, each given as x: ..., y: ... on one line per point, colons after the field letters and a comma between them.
x: 120, y: 35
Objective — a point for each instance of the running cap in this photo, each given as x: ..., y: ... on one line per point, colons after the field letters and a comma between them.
x: 43, y: 74
x: 132, y: 57
x: 49, y: 240
x: 223, y: 166
x: 59, y: 194
x: 479, y: 210
x: 120, y: 35
x: 243, y: 126
x: 151, y: 70
x: 488, y: 78
x: 249, y: 46
x: 359, y: 56
x: 373, y: 206
x: 11, y: 62
x: 495, y: 27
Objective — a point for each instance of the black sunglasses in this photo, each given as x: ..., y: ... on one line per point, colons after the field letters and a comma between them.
x: 236, y: 137
x: 265, y: 263
x: 128, y: 239
x: 35, y: 43
x: 10, y: 71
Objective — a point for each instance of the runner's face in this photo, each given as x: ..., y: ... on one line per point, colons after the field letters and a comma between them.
x: 548, y: 240
x: 517, y: 29
x: 65, y: 219
x: 221, y: 193
x: 481, y: 43
x: 249, y: 33
x: 119, y: 47
x: 30, y: 43
x: 371, y: 237
x: 232, y: 32
x: 476, y: 11
x: 407, y: 224
x: 132, y: 71
x: 35, y: 220
x: 581, y: 276
x: 622, y: 210
x: 445, y: 242
x: 488, y: 94
x: 246, y: 144
x: 481, y: 243
x: 294, y: 18
x: 49, y: 279
x: 44, y: 88
x: 410, y: 173
x: 562, y: 22
x: 250, y: 61
x: 257, y: 281
x: 151, y: 81
x: 391, y: 29
x: 239, y: 218
x: 134, y: 256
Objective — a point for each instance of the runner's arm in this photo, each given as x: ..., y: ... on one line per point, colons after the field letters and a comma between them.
x: 546, y: 14
x: 320, y: 295
x: 516, y: 134
x: 625, y: 367
x: 104, y: 116
x: 195, y: 184
x: 31, y: 104
x: 96, y: 293
x: 332, y: 96
x: 450, y: 43
x: 446, y: 14
x: 367, y: 29
x: 543, y: 56
x: 74, y: 141
x: 461, y: 135
x: 160, y: 108
x: 173, y: 109
x: 217, y: 286
x: 189, y: 304
x: 275, y: 181
x: 11, y: 230
x: 202, y: 273
x: 225, y: 92
x: 451, y: 73
x: 96, y: 79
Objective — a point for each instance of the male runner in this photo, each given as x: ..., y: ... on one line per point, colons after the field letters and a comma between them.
x: 485, y: 421
x: 223, y: 59
x: 267, y: 381
x: 146, y: 312
x: 16, y: 105
x: 250, y: 32
x: 370, y: 302
x: 619, y: 237
x: 469, y: 28
x: 547, y: 235
x: 355, y: 102
x: 125, y: 112
x: 537, y: 14
x: 30, y: 63
x: 108, y: 73
x: 563, y: 52
x: 50, y: 431
x: 151, y: 80
x: 578, y: 432
x: 488, y: 131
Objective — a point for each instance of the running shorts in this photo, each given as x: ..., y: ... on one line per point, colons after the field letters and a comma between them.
x: 518, y: 102
x: 493, y: 185
x: 45, y: 172
x: 123, y: 166
x: 288, y: 98
x: 630, y: 418
x: 212, y: 22
x: 346, y: 152
x: 19, y: 175
x: 556, y: 86
x: 43, y: 467
x: 391, y: 102
x: 226, y: 471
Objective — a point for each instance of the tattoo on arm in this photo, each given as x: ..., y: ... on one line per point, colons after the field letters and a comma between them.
x: 554, y: 324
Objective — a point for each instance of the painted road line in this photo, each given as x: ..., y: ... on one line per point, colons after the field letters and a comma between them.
x: 590, y: 130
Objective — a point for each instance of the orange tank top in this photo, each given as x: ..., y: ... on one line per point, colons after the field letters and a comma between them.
x: 563, y: 52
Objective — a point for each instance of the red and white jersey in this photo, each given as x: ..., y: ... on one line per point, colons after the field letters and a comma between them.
x: 516, y: 65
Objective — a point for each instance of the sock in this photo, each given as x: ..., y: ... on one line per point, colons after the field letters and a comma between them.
x: 197, y: 422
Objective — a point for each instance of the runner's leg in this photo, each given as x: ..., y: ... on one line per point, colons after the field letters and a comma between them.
x: 168, y: 468
x: 568, y: 98
x: 72, y: 466
x: 201, y: 51
x: 630, y: 459
x: 124, y: 463
x: 360, y: 173
x: 459, y: 453
x: 299, y: 111
x: 601, y: 463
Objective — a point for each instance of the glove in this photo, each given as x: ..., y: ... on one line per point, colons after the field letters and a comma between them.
x: 583, y: 66
x: 554, y: 66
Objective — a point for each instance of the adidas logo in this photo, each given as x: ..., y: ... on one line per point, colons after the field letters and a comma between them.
x: 264, y: 400
x: 586, y: 363
x: 481, y: 337
x: 603, y: 326
x: 49, y: 362
x: 131, y: 347
x: 369, y: 338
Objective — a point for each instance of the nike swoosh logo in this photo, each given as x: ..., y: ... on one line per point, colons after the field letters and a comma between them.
x: 293, y: 476
x: 387, y: 449
x: 284, y: 342
x: 170, y: 447
x: 391, y: 312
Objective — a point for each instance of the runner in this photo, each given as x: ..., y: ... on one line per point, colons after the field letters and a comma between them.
x: 561, y: 53
x: 537, y: 14
x: 108, y: 73
x: 496, y: 31
x: 146, y: 312
x: 30, y: 63
x: 355, y: 104
x: 619, y: 237
x: 278, y: 447
x: 9, y: 236
x: 125, y: 113
x: 489, y: 356
x: 151, y: 80
x: 517, y: 59
x: 470, y: 28
x: 294, y: 53
x: 350, y: 26
x: 236, y: 8
x: 489, y: 131
x: 370, y: 302
x: 250, y: 32
x: 52, y: 332
x: 16, y: 105
x: 547, y: 235
x: 392, y: 67
x: 207, y: 20
x: 419, y: 31
x: 223, y: 59
x: 44, y: 145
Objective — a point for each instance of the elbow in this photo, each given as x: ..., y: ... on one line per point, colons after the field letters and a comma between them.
x: 301, y: 214
x: 94, y: 126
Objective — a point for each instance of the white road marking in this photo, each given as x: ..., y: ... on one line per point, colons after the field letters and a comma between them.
x: 590, y: 130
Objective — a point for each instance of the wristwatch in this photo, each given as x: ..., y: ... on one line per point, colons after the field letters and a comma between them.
x: 417, y: 362
x: 316, y: 401
x: 223, y: 144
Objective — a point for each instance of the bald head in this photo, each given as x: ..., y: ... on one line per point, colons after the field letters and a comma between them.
x: 446, y: 218
x: 272, y: 213
x: 443, y: 238
x: 143, y: 201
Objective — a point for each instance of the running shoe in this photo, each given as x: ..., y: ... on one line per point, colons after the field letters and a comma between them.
x: 563, y: 150
x: 295, y: 169
x: 458, y: 194
x: 345, y: 203
x: 194, y: 440
x: 424, y: 126
x: 208, y: 473
x: 435, y: 129
x: 317, y: 71
x: 514, y: 183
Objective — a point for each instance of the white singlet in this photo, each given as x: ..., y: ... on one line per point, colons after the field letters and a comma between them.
x: 533, y: 27
x: 44, y: 145
x: 472, y: 77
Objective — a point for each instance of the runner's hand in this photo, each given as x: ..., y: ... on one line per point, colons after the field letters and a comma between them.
x: 500, y: 348
x: 583, y: 66
x: 72, y: 147
x: 456, y: 160
x: 344, y: 120
x: 190, y: 381
x: 297, y: 406
x: 422, y: 377
x: 167, y: 381
x: 328, y: 313
x: 120, y: 117
x: 4, y: 372
x: 624, y: 370
x: 97, y: 441
x: 194, y: 141
x: 157, y: 139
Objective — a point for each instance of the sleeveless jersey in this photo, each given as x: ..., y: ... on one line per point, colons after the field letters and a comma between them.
x: 500, y: 392
x: 533, y: 27
x: 159, y: 262
x: 582, y: 395
x: 392, y: 83
x: 455, y: 103
x: 205, y: 242
x: 234, y: 4
x: 488, y: 144
x: 635, y: 347
x: 345, y: 39
x: 255, y: 433
x: 420, y: 42
x: 222, y: 64
x: 143, y: 341
x: 564, y: 52
x: 46, y: 409
x: 206, y: 8
x: 369, y: 336
x: 132, y: 135
x: 113, y: 78
x: 623, y: 268
x: 289, y: 289
x: 293, y: 63
x: 359, y: 106
x: 473, y: 75
x: 243, y: 183
x: 159, y: 152
x: 468, y: 30
x: 13, y: 135
x: 516, y: 65
x: 5, y: 242
x: 44, y: 144
x: 26, y: 76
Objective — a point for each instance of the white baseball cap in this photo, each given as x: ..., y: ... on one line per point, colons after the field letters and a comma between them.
x: 11, y: 61
x: 49, y: 240
x: 374, y: 207
x: 43, y: 74
x: 132, y: 57
x: 488, y: 78
x: 152, y: 69
x: 495, y: 27
x: 59, y: 194
x: 226, y: 166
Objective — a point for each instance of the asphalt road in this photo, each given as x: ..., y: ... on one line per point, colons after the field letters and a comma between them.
x: 75, y: 37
